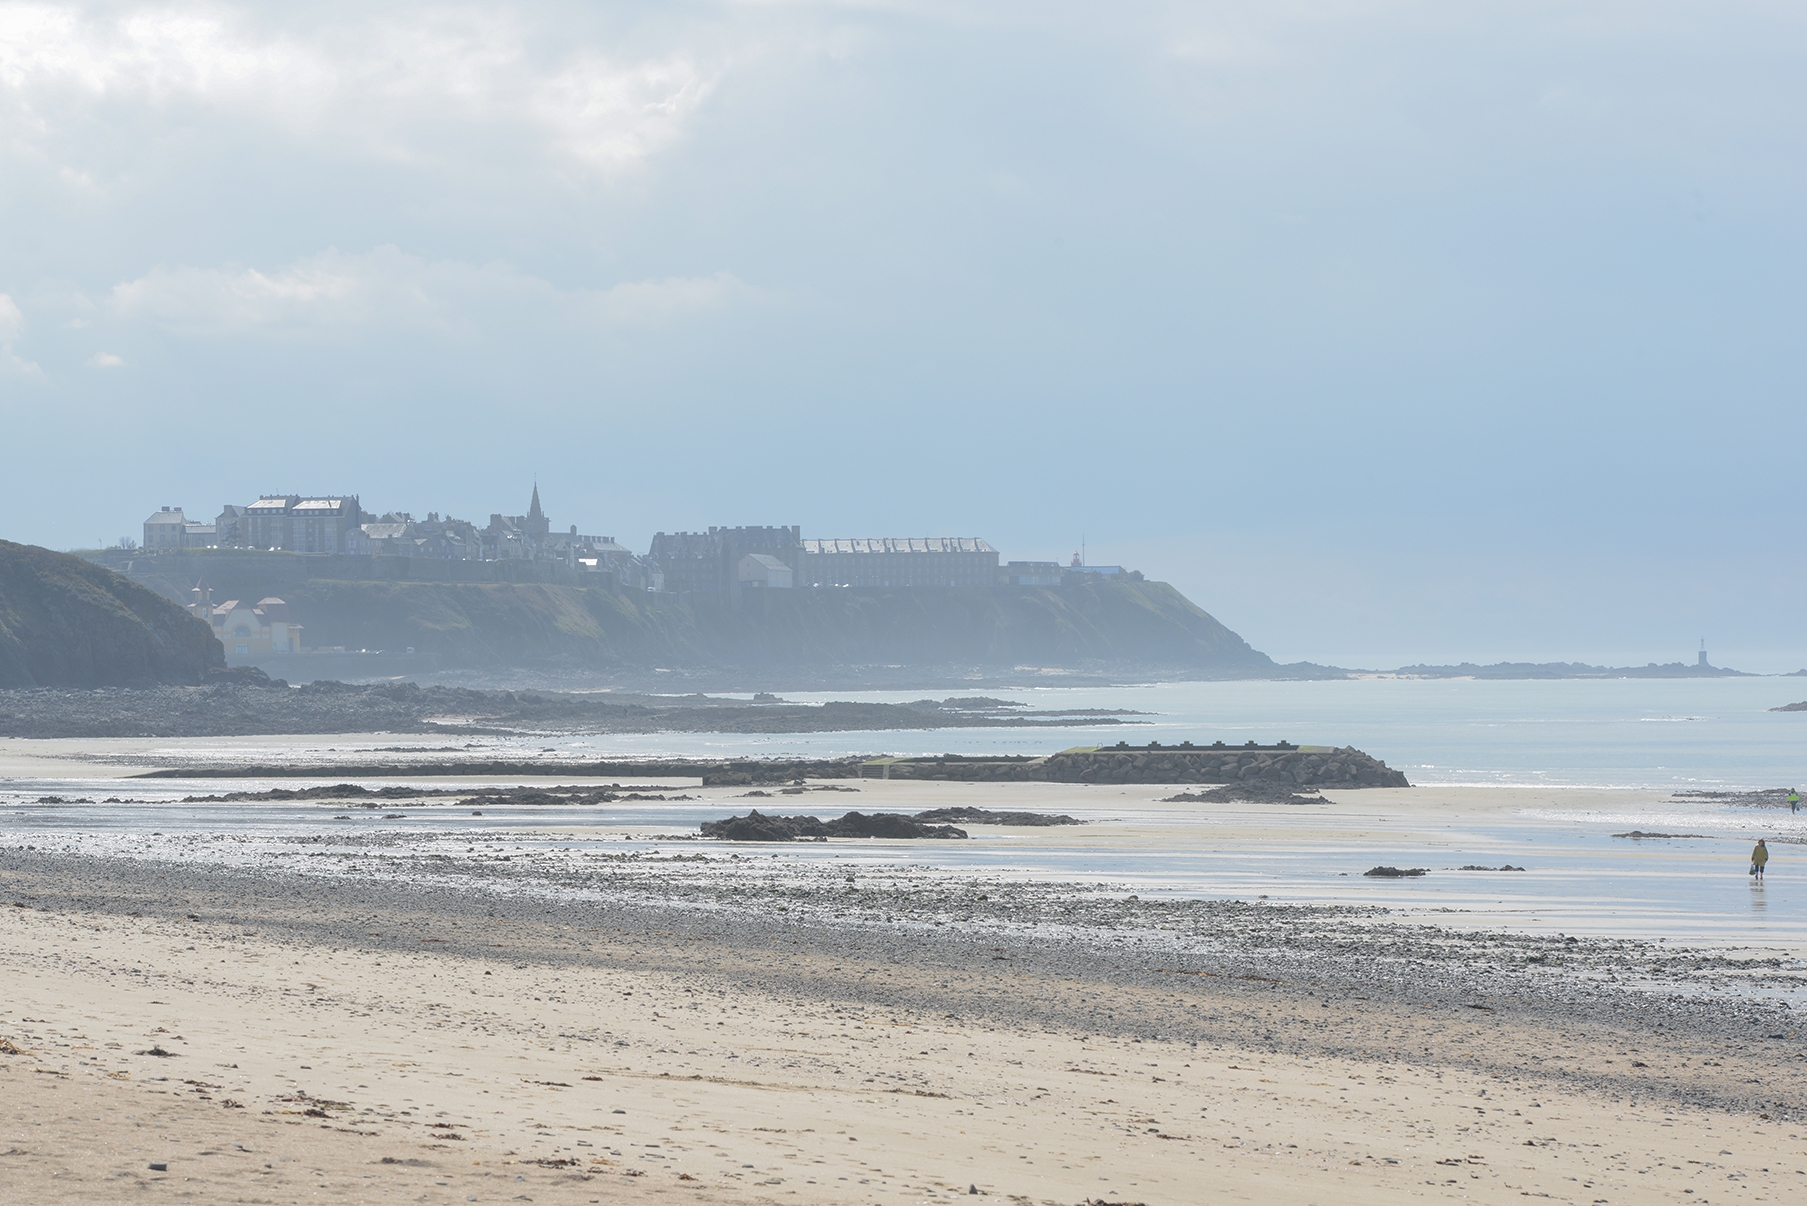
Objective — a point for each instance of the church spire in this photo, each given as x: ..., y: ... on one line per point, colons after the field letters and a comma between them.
x: 536, y: 525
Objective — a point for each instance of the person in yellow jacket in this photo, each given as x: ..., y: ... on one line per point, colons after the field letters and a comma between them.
x: 1759, y: 857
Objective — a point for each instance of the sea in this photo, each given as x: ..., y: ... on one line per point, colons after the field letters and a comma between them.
x: 1654, y: 740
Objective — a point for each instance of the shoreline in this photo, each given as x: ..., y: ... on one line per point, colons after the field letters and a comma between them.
x: 1125, y: 1050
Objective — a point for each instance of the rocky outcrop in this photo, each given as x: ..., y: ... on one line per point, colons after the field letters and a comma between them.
x: 66, y: 622
x: 988, y: 816
x: 757, y: 828
x: 1250, y: 791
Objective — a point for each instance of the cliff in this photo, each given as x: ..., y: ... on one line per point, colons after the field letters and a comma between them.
x: 65, y: 622
x: 525, y: 624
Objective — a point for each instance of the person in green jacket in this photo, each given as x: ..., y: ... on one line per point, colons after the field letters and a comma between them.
x: 1759, y: 857
x: 1794, y: 800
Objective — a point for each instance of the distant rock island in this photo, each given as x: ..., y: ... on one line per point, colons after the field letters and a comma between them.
x: 65, y: 622
x: 1523, y: 670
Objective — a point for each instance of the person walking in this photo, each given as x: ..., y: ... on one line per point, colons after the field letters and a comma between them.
x: 1759, y: 857
x: 1794, y: 801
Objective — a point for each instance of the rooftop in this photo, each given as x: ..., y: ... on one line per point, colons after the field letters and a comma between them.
x: 930, y: 544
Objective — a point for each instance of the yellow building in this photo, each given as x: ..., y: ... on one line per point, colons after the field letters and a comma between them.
x: 254, y: 631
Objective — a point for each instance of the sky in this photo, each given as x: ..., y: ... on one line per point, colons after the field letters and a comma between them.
x: 1389, y: 332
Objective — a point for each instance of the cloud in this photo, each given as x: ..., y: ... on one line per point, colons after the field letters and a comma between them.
x: 105, y: 360
x: 653, y: 302
x: 336, y: 294
x: 12, y: 323
x: 384, y: 85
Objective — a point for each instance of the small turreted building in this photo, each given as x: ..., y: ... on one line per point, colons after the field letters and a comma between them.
x: 258, y: 630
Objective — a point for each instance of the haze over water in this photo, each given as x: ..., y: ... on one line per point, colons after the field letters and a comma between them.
x: 1651, y: 733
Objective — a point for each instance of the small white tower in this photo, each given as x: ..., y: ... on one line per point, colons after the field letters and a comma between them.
x: 1703, y: 651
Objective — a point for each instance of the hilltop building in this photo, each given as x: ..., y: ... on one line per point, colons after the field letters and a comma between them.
x: 762, y: 571
x: 229, y: 525
x: 398, y: 534
x: 304, y: 523
x: 931, y: 561
x: 169, y: 528
x: 164, y: 529
x: 722, y: 562
x: 708, y: 563
x: 1031, y: 573
x: 510, y: 537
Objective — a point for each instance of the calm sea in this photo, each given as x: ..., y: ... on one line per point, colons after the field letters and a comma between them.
x: 1671, y: 733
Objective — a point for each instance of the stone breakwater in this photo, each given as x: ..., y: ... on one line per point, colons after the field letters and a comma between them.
x: 1297, y: 766
x: 1291, y: 766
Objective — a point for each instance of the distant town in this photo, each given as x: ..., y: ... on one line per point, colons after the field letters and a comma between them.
x: 724, y: 562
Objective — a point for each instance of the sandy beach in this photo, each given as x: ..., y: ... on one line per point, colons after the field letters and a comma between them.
x: 564, y: 1062
x: 569, y: 1005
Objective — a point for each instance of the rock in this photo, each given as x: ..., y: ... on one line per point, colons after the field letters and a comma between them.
x: 1253, y: 791
x: 755, y: 827
x: 244, y: 676
x: 985, y: 816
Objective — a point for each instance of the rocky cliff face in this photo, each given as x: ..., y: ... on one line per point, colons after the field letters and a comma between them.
x: 487, y: 625
x: 65, y: 622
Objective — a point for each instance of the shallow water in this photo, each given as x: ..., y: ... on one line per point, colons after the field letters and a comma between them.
x: 1578, y: 878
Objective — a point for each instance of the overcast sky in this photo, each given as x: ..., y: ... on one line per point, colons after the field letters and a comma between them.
x: 1388, y: 331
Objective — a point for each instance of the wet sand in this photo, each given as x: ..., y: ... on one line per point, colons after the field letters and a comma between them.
x: 758, y: 1059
